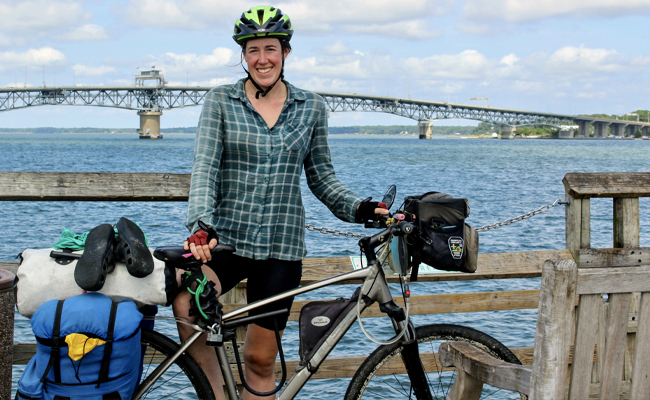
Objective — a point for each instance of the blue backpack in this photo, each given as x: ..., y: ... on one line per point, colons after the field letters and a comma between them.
x: 88, y: 348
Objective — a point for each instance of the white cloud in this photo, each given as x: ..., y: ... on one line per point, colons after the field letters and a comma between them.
x: 413, y: 29
x: 31, y: 58
x: 379, y: 17
x: 86, y: 32
x: 25, y: 21
x: 580, y: 61
x: 172, y: 63
x: 527, y: 10
x: 84, y: 70
x: 354, y: 66
x: 337, y: 48
x: 469, y: 64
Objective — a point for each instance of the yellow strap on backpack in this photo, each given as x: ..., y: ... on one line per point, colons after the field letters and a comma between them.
x: 79, y: 345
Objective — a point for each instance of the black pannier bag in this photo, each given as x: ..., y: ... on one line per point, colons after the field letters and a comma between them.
x: 445, y: 241
x: 317, y: 321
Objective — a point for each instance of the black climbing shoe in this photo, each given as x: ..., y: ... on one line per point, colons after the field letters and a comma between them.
x: 132, y: 250
x: 97, y: 259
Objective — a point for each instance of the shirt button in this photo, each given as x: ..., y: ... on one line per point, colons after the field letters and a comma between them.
x: 266, y: 180
x: 262, y: 203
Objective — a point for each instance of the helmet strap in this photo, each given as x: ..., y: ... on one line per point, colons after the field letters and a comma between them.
x: 261, y: 91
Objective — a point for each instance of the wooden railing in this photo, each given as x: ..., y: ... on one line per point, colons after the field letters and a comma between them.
x: 625, y: 188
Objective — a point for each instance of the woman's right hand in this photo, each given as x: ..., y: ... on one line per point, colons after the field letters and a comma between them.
x: 201, y: 242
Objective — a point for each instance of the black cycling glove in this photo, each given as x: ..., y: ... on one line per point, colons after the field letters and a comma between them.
x: 366, y: 210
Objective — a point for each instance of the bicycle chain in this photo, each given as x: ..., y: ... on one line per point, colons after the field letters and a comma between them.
x: 484, y: 228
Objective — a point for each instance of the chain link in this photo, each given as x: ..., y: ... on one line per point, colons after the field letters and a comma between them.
x: 335, y: 232
x: 484, y: 228
x: 540, y: 210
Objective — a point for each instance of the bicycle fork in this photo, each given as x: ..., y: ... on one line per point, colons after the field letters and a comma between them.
x: 410, y: 353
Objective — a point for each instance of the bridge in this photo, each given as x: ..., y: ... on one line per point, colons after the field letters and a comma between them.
x: 151, y: 101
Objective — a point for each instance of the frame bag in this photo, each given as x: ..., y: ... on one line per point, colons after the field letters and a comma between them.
x: 88, y: 349
x: 445, y: 241
x: 317, y: 321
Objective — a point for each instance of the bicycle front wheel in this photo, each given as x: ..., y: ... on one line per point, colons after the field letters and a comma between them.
x: 383, y: 376
x: 183, y: 380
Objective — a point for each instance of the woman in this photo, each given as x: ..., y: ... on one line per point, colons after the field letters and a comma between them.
x: 254, y: 139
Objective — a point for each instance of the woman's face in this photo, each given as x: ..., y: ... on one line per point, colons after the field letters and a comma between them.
x: 264, y: 59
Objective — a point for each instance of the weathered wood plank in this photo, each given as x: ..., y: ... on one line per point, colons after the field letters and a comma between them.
x: 622, y: 257
x: 607, y: 184
x: 583, y: 350
x: 577, y: 222
x: 640, y: 388
x: 93, y: 186
x: 477, y: 363
x: 613, y: 280
x: 527, y: 264
x: 616, y: 341
x: 445, y: 303
x: 554, y: 328
x: 626, y: 222
x: 341, y: 367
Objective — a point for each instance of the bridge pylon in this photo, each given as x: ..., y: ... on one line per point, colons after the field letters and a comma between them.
x: 508, y: 132
x: 425, y: 129
x: 150, y: 124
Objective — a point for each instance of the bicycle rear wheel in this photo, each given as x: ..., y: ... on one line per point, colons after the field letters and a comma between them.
x: 184, y: 379
x: 382, y: 374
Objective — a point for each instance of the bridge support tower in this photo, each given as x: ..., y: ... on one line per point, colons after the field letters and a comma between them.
x: 630, y: 130
x: 150, y: 124
x: 508, y: 132
x: 425, y: 129
x: 566, y: 133
x: 583, y: 128
x: 644, y: 132
x: 600, y: 129
x: 618, y: 129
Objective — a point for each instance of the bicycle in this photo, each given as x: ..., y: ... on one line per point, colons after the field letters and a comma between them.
x: 414, y: 374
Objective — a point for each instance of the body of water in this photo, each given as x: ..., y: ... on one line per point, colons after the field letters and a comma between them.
x: 502, y: 179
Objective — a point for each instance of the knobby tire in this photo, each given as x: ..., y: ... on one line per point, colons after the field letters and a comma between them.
x: 382, y: 374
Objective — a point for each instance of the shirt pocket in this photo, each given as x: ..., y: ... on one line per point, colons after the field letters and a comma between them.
x: 296, y: 136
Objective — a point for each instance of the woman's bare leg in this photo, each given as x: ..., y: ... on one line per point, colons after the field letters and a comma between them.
x: 204, y: 355
x: 260, y: 352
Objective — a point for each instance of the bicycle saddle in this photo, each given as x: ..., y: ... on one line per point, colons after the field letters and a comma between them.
x: 179, y: 257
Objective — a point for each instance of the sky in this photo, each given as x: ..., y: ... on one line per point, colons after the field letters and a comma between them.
x: 561, y: 56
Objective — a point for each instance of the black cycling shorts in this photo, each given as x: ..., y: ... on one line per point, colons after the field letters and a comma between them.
x: 265, y: 279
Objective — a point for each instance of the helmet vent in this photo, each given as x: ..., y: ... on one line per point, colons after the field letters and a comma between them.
x: 260, y: 15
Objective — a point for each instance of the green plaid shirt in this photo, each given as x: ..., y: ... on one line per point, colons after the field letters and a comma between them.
x: 246, y: 176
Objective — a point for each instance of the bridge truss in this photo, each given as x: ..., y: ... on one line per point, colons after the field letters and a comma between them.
x: 151, y: 98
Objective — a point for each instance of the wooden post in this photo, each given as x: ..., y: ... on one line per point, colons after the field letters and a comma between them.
x: 578, y: 224
x: 6, y: 332
x: 552, y: 341
x: 626, y: 234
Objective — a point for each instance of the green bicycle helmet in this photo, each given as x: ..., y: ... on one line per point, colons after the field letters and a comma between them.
x: 262, y: 21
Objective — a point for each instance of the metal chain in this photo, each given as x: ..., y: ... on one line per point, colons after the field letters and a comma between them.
x: 484, y: 228
x: 540, y: 210
x: 335, y: 232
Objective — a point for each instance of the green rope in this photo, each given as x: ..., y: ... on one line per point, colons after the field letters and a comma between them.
x: 200, y: 287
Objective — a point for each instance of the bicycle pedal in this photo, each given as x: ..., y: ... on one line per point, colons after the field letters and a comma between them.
x: 214, y: 339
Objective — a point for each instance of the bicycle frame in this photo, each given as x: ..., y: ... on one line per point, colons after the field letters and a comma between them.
x: 374, y: 287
